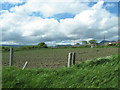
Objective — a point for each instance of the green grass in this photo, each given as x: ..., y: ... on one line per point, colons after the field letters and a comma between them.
x: 97, y: 73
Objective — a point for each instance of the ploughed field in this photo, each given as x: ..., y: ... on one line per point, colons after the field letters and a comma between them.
x: 54, y: 58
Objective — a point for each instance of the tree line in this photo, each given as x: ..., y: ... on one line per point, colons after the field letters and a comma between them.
x: 40, y: 45
x: 43, y: 45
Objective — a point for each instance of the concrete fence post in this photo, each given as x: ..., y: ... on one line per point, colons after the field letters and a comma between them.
x: 11, y: 57
x: 73, y: 58
x: 69, y: 59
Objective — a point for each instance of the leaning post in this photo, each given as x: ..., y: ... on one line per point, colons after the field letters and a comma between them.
x: 25, y: 65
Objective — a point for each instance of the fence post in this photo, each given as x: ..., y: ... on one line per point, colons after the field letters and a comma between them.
x: 73, y: 58
x: 25, y: 65
x: 69, y: 59
x: 91, y: 46
x: 11, y: 57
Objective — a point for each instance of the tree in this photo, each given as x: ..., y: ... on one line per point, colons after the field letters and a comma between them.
x: 92, y: 41
x: 77, y: 44
x: 58, y: 46
x: 84, y: 42
x: 42, y: 45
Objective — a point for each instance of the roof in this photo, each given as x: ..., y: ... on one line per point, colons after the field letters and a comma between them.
x: 104, y: 41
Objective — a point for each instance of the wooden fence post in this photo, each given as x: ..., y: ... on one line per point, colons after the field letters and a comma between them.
x: 25, y: 65
x: 69, y: 59
x: 73, y: 58
x: 11, y: 57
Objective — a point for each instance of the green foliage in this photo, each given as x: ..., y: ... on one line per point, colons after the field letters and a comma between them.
x: 42, y: 45
x: 96, y: 73
x: 109, y: 46
x: 77, y: 44
x: 84, y: 42
x: 4, y: 48
x: 92, y: 41
x: 25, y: 48
x: 113, y: 44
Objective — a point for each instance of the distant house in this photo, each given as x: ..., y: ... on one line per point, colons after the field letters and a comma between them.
x: 89, y: 45
x: 111, y: 44
x: 105, y: 42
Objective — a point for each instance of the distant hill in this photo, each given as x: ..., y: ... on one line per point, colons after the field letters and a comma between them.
x: 13, y: 45
x: 64, y: 45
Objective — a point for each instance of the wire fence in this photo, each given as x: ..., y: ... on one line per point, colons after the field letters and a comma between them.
x: 54, y: 58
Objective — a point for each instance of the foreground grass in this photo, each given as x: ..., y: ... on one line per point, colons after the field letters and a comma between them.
x: 97, y: 73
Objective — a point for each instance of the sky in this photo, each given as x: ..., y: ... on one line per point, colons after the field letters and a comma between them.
x: 29, y: 22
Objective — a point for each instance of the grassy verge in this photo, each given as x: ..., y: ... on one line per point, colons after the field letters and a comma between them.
x: 97, y: 73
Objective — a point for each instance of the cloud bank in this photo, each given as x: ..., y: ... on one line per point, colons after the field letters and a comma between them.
x: 19, y: 27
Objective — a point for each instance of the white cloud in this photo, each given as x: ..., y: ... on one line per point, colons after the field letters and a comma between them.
x: 51, y: 7
x: 88, y: 23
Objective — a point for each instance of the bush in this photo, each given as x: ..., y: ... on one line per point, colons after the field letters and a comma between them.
x: 42, y: 45
x: 5, y: 48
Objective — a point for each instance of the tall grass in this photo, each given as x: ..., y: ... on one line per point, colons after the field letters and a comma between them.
x: 97, y: 73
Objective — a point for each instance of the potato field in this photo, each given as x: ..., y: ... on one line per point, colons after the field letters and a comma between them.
x: 54, y: 57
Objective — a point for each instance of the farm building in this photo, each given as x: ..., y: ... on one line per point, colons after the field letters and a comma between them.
x: 108, y: 43
x: 111, y: 43
x: 104, y: 42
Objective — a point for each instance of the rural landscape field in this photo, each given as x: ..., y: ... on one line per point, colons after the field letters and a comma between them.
x: 99, y: 72
x: 54, y: 57
x: 59, y: 44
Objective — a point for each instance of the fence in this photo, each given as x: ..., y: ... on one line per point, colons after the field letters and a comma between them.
x: 71, y: 59
x: 53, y: 58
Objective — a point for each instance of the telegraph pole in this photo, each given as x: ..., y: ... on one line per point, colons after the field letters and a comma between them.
x: 104, y: 37
x: 74, y: 42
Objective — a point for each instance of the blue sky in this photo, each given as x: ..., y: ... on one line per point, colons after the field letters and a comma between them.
x: 8, y: 6
x: 112, y: 9
x: 33, y: 21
